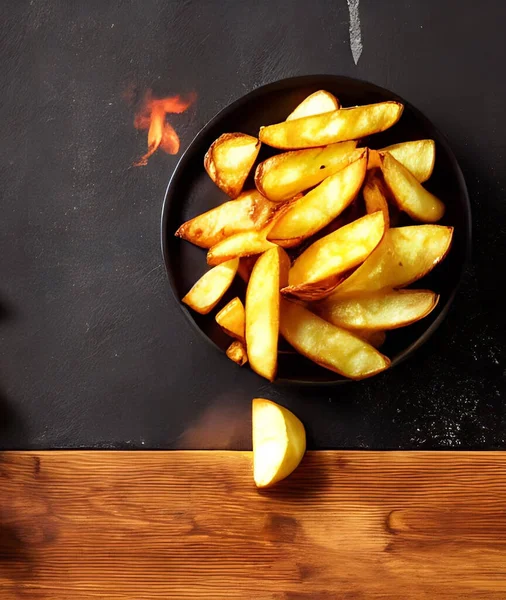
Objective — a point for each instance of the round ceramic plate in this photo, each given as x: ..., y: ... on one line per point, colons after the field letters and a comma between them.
x: 191, y: 192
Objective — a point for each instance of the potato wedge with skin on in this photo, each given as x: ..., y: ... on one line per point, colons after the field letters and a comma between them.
x: 375, y: 196
x: 418, y: 157
x: 250, y: 211
x: 315, y: 104
x: 337, y: 126
x: 329, y: 346
x: 229, y: 160
x: 404, y: 255
x: 211, y: 287
x: 339, y: 251
x: 409, y: 194
x: 237, y: 352
x: 232, y: 320
x: 269, y: 274
x: 279, y: 442
x: 381, y: 310
x: 284, y: 175
x: 247, y: 243
x: 321, y: 205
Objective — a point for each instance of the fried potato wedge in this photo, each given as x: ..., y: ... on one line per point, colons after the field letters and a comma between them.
x: 247, y: 243
x: 418, y: 157
x: 337, y: 126
x: 284, y: 175
x: 404, y: 255
x: 229, y: 160
x: 269, y: 274
x: 380, y: 310
x: 232, y: 320
x: 331, y: 347
x: 315, y: 104
x: 375, y: 196
x: 321, y: 205
x: 409, y: 194
x: 209, y: 289
x: 375, y: 338
x: 237, y: 352
x: 251, y: 211
x: 339, y: 251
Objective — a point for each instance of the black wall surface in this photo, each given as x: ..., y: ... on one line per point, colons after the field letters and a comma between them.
x: 94, y: 351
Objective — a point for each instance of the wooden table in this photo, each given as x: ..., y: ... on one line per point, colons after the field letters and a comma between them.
x: 164, y: 525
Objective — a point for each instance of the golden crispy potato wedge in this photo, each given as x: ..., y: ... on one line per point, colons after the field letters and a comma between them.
x: 408, y: 193
x: 339, y: 251
x: 381, y: 310
x: 418, y: 157
x: 209, y: 289
x: 229, y: 160
x: 315, y: 104
x: 237, y: 352
x: 269, y: 274
x: 231, y: 319
x: 251, y: 211
x: 331, y: 347
x: 375, y: 196
x: 321, y: 205
x: 328, y: 128
x: 404, y: 255
x: 284, y: 175
x: 247, y: 243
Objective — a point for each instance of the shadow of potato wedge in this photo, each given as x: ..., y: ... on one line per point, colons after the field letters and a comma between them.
x: 229, y: 160
x: 211, y: 287
x: 237, y: 352
x: 383, y: 310
x: 232, y: 320
x: 418, y: 157
x: 327, y: 345
x: 337, y: 126
x: 250, y: 211
x: 408, y: 193
x: 375, y: 196
x: 315, y: 104
x: 284, y: 175
x: 322, y: 205
x: 339, y: 251
x: 269, y: 274
x: 404, y: 255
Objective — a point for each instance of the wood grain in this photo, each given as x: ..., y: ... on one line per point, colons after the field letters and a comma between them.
x: 164, y: 525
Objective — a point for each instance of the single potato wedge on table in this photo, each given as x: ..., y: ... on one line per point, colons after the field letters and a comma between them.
x: 404, y: 255
x: 279, y: 442
x: 408, y: 193
x: 315, y: 104
x: 232, y: 320
x: 381, y: 310
x: 250, y: 211
x: 337, y: 126
x: 237, y: 352
x: 418, y: 157
x: 321, y: 205
x: 229, y: 160
x: 284, y: 175
x: 320, y: 268
x: 327, y: 345
x: 211, y: 287
x: 269, y: 274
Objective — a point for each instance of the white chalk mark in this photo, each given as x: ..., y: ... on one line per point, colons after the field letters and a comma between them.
x: 355, y: 32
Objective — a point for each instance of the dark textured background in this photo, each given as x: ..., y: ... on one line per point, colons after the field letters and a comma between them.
x: 94, y: 352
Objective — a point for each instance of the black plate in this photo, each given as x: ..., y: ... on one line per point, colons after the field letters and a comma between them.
x: 191, y: 192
